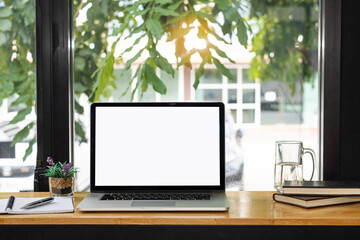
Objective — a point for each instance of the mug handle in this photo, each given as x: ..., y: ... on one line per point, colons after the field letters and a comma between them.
x: 312, y: 153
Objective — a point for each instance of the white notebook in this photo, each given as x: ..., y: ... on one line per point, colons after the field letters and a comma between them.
x: 59, y: 205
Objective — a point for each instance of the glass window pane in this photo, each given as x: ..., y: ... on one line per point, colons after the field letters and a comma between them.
x: 209, y: 94
x: 245, y: 76
x: 248, y: 116
x: 148, y: 96
x: 232, y: 96
x: 281, y: 55
x: 233, y: 72
x: 211, y: 76
x: 248, y: 95
x: 17, y: 96
x: 172, y: 86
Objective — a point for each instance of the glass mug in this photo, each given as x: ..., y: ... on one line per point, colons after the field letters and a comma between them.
x: 289, y: 162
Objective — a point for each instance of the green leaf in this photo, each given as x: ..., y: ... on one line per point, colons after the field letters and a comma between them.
x: 29, y: 148
x: 202, y: 33
x: 143, y: 80
x: 242, y: 33
x: 209, y: 17
x: 21, y: 99
x: 134, y: 44
x: 119, y: 30
x: 151, y: 77
x: 185, y: 59
x: 78, y: 108
x: 2, y: 38
x: 204, y: 24
x: 24, y: 35
x: 134, y: 90
x: 8, y: 87
x: 231, y: 14
x: 17, y: 77
x: 182, y: 16
x: 131, y: 81
x: 163, y: 1
x: 198, y: 73
x: 221, y: 53
x: 175, y: 5
x: 29, y: 14
x: 144, y: 86
x: 5, y: 25
x: 226, y: 28
x: 85, y: 52
x: 177, y: 33
x: 79, y: 130
x: 1, y: 98
x: 5, y: 12
x: 136, y: 5
x: 155, y: 28
x: 22, y: 86
x: 165, y: 12
x: 136, y: 30
x: 223, y: 69
x: 137, y: 13
x: 79, y: 63
x: 105, y: 76
x: 180, y: 49
x: 21, y: 115
x: 221, y: 4
x: 18, y: 3
x: 22, y: 134
x: 130, y: 61
x: 161, y: 62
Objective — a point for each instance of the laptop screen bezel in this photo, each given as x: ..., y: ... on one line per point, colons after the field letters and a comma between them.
x: 103, y: 189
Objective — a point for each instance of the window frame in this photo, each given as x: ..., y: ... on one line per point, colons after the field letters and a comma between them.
x: 329, y: 87
x: 54, y: 80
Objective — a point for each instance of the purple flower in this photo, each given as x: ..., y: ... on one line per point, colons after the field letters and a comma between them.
x: 50, y: 161
x: 66, y: 168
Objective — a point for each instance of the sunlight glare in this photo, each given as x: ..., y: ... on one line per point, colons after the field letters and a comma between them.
x: 192, y: 40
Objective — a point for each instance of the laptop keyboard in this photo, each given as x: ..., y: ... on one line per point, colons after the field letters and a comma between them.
x: 156, y: 196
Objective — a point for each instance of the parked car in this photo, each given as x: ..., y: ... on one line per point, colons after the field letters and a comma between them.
x: 234, y: 155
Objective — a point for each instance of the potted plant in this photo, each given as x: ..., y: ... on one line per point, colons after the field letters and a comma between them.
x: 61, y: 178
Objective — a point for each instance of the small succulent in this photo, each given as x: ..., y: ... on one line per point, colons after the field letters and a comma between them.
x: 59, y: 170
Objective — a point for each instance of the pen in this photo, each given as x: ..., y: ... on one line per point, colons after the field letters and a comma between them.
x: 38, y: 203
x: 10, y: 203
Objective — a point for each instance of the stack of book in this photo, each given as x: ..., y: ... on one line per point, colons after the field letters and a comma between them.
x: 310, y: 194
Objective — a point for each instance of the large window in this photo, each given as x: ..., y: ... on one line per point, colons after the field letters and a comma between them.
x: 267, y: 77
x: 17, y: 95
x: 258, y: 57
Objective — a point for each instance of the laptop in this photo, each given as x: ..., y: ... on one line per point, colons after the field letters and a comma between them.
x: 157, y: 157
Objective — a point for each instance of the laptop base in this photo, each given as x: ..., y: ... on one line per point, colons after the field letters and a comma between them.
x: 92, y: 203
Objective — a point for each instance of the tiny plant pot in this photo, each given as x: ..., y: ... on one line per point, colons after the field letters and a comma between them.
x: 60, y: 187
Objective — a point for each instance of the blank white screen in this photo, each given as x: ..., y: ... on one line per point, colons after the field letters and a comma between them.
x: 157, y: 146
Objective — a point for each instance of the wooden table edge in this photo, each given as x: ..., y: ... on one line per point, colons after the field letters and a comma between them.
x: 246, y: 209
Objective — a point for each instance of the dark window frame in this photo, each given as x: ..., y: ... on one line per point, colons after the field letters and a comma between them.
x: 54, y: 44
x: 54, y: 61
x: 330, y: 60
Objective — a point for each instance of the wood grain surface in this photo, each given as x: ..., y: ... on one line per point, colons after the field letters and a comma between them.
x: 246, y: 208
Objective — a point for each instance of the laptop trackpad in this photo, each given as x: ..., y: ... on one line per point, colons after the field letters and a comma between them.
x: 148, y: 203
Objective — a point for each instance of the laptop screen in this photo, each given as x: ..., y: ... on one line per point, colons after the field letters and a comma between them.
x: 161, y: 145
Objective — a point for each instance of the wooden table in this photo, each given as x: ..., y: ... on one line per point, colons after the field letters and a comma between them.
x: 250, y: 214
